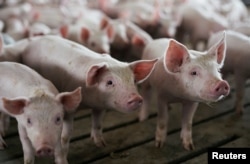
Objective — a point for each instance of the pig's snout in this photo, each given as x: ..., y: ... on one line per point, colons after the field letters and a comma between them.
x: 134, y: 102
x: 45, y: 151
x: 222, y: 88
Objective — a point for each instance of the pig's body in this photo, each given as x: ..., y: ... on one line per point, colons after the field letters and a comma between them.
x: 109, y: 84
x: 35, y: 103
x: 242, y: 27
x: 198, y: 22
x: 184, y: 76
x: 236, y: 62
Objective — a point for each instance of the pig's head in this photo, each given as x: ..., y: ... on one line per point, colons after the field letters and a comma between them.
x: 120, y: 34
x: 97, y: 40
x: 116, y: 83
x: 198, y: 73
x: 41, y: 117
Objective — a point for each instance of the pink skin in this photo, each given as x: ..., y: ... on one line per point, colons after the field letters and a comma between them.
x: 19, y: 10
x: 236, y: 62
x: 242, y: 27
x: 17, y: 28
x: 42, y: 14
x: 109, y: 83
x: 198, y: 23
x: 138, y: 40
x: 92, y: 30
x: 195, y: 77
x: 39, y: 110
x: 96, y: 40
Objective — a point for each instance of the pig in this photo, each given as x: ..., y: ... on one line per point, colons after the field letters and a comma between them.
x: 20, y: 10
x: 132, y: 48
x: 138, y: 39
x: 120, y: 38
x: 43, y: 14
x: 148, y: 15
x: 17, y: 28
x: 182, y: 76
x: 236, y: 62
x: 38, y: 29
x: 96, y: 40
x: 198, y: 22
x: 39, y: 110
x: 109, y: 83
x: 242, y: 27
x: 91, y: 30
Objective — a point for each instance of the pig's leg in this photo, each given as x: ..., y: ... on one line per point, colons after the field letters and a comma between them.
x: 239, y: 89
x: 3, y: 128
x: 4, y: 124
x: 3, y: 145
x: 96, y: 131
x: 162, y: 123
x: 188, y: 111
x: 28, y: 151
x: 66, y: 132
x: 60, y: 156
x: 146, y: 94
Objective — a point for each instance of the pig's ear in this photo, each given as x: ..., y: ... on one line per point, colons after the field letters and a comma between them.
x: 138, y: 41
x: 64, y: 31
x: 15, y: 106
x: 176, y: 55
x: 70, y: 100
x: 104, y: 23
x: 110, y: 32
x: 142, y: 69
x: 219, y: 50
x: 94, y: 73
x: 85, y: 34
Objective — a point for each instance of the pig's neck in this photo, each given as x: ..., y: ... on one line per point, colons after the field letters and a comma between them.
x: 169, y: 85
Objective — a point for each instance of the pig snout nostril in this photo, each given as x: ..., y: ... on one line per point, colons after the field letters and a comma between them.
x: 45, y: 151
x: 222, y: 88
x: 135, y: 102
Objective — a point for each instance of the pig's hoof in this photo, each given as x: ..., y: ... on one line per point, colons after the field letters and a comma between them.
x: 239, y: 112
x: 99, y: 142
x: 3, y: 145
x: 189, y: 146
x: 159, y: 144
x: 142, y: 118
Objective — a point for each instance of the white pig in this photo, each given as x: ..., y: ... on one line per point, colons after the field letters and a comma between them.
x: 39, y: 110
x: 198, y: 22
x: 109, y: 83
x: 182, y: 76
x: 236, y: 62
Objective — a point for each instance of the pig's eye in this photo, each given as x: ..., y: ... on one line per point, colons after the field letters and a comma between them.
x: 29, y: 121
x: 109, y: 83
x: 193, y: 73
x: 58, y: 120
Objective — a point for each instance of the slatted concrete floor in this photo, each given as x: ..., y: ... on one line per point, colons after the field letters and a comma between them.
x: 130, y: 141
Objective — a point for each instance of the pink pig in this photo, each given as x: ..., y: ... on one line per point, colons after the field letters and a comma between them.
x: 109, y: 83
x: 39, y: 110
x: 182, y: 76
x: 236, y: 62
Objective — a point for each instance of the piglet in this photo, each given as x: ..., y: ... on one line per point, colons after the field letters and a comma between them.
x: 236, y: 62
x: 39, y: 110
x: 109, y: 83
x: 182, y: 76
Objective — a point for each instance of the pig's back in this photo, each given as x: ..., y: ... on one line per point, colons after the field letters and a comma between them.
x: 155, y: 49
x: 19, y: 80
